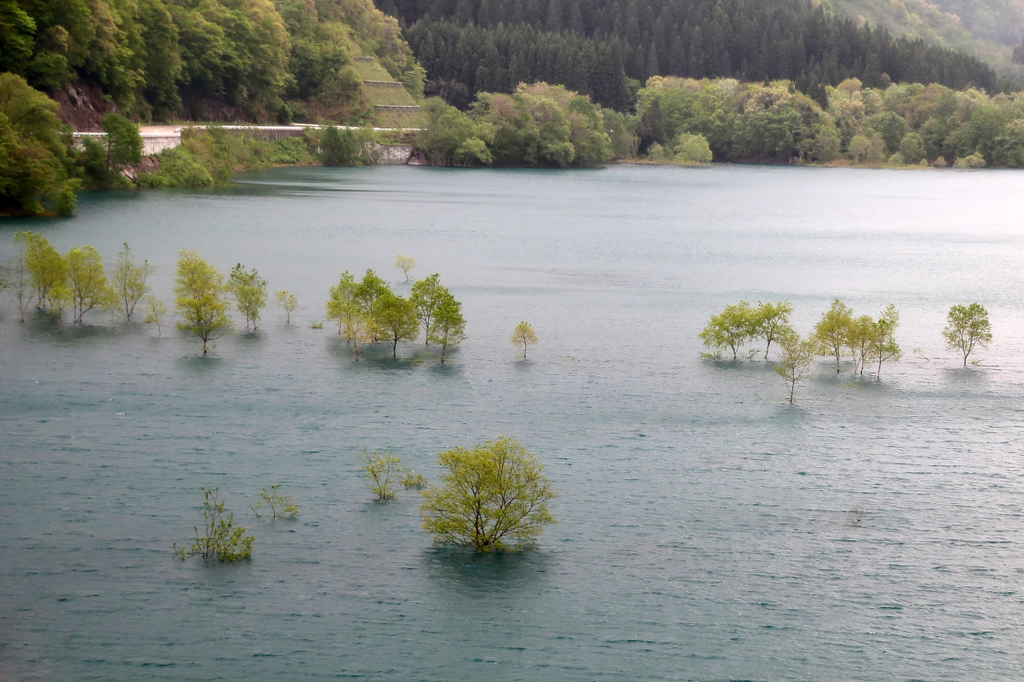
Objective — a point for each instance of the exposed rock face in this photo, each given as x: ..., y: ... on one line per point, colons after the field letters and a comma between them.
x: 82, y: 106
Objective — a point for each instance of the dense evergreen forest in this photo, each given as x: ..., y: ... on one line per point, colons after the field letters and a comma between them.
x: 157, y: 58
x: 607, y: 48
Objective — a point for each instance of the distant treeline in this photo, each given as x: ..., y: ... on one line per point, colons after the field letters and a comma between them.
x: 601, y: 47
x: 269, y: 59
x: 902, y: 124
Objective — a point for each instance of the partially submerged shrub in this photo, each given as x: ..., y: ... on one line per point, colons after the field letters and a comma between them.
x: 382, y: 471
x: 279, y: 505
x: 220, y: 540
x: 413, y: 480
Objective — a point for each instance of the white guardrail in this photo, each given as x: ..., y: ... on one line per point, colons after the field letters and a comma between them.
x: 154, y: 142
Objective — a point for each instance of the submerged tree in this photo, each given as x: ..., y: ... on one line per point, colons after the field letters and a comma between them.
x: 46, y: 267
x: 771, y: 322
x: 86, y: 280
x: 730, y: 329
x: 220, y: 539
x: 155, y: 310
x: 342, y: 303
x: 289, y: 302
x: 794, y: 360
x: 19, y: 269
x: 394, y: 319
x: 832, y: 332
x: 427, y: 294
x: 448, y: 329
x: 382, y: 471
x: 250, y: 292
x: 859, y: 336
x: 129, y: 280
x: 405, y: 264
x: 883, y: 338
x: 967, y: 328
x: 200, y: 299
x: 492, y: 497
x: 523, y: 335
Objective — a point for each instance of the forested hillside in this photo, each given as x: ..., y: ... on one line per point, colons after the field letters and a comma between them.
x: 261, y: 59
x: 606, y: 48
x: 989, y: 29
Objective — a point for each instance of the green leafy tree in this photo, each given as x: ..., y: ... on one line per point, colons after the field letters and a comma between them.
x: 46, y: 267
x: 967, y: 328
x: 339, y: 147
x: 405, y: 264
x: 289, y: 302
x: 124, y: 144
x: 358, y: 329
x: 427, y: 294
x: 883, y: 346
x: 691, y: 150
x: 382, y: 471
x: 19, y: 270
x: 250, y: 292
x: 129, y: 280
x: 448, y: 328
x: 33, y: 156
x: 795, y: 360
x: 523, y: 335
x: 832, y: 332
x: 155, y: 310
x: 858, y: 340
x: 86, y: 280
x: 731, y: 328
x: 61, y: 298
x: 200, y: 299
x: 342, y: 303
x: 394, y: 318
x: 771, y: 321
x: 220, y: 540
x: 492, y: 497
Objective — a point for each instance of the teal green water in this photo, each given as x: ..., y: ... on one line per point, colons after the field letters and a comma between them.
x: 708, y: 529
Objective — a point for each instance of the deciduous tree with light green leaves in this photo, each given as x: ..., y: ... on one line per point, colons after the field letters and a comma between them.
x: 731, y: 328
x: 492, y: 497
x: 771, y: 322
x: 427, y: 294
x: 523, y: 335
x: 405, y: 264
x: 45, y: 266
x: 86, y: 280
x: 794, y: 360
x: 250, y: 292
x: 200, y: 299
x: 342, y: 303
x: 448, y: 328
x: 383, y: 472
x: 883, y: 346
x: 394, y: 318
x: 967, y: 328
x: 289, y: 302
x: 128, y: 280
x: 155, y: 310
x: 858, y: 340
x: 19, y: 271
x: 832, y: 332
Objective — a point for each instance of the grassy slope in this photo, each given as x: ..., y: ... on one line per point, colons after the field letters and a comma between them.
x: 373, y: 71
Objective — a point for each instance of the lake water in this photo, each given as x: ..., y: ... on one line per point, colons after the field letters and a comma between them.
x: 708, y: 529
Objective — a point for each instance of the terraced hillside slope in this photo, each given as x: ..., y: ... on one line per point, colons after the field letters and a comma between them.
x: 391, y: 104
